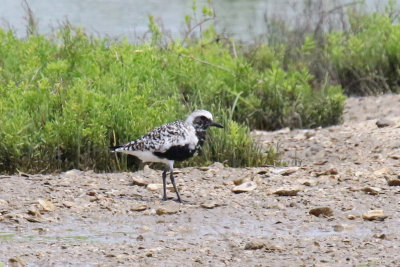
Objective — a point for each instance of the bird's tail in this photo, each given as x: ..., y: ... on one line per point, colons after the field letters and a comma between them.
x: 114, y: 148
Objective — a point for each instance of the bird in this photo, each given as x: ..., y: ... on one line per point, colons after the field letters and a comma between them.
x: 170, y: 142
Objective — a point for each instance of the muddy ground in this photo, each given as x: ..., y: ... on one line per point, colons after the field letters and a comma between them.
x: 89, y: 219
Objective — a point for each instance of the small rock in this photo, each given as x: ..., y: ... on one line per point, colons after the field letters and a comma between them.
x: 338, y: 228
x: 16, y: 262
x: 374, y: 215
x: 139, y: 207
x: 34, y: 212
x: 308, y: 182
x: 272, y: 247
x: 46, y: 206
x: 324, y: 211
x: 23, y: 174
x: 330, y: 171
x: 139, y: 238
x: 310, y: 134
x: 289, y: 171
x: 34, y: 219
x: 91, y: 193
x: 394, y: 182
x: 154, y: 187
x: 238, y: 181
x: 245, y: 187
x: 261, y: 172
x: 383, y: 171
x: 257, y: 244
x: 380, y: 236
x: 3, y: 203
x: 287, y: 191
x: 351, y: 217
x: 139, y: 181
x: 68, y: 204
x: 371, y: 190
x: 384, y: 123
x: 167, y: 208
x: 284, y: 171
x: 209, y: 205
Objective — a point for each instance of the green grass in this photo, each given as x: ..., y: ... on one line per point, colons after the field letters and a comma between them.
x: 65, y: 99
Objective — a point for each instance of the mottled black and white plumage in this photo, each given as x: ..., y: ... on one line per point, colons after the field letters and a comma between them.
x: 175, y: 141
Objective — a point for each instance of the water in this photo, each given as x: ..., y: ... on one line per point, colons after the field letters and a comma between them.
x: 129, y: 18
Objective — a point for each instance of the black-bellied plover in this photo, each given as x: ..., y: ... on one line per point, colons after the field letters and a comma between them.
x: 175, y: 141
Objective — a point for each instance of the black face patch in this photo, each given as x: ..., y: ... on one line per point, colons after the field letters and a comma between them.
x: 201, y: 122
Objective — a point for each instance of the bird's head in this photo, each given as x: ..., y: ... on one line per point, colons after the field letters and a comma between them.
x: 202, y: 119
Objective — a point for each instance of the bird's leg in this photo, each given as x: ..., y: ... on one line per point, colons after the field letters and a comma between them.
x: 171, y: 176
x: 164, y: 180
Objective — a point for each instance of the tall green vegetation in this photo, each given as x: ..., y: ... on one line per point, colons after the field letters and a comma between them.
x: 65, y: 99
x: 342, y: 44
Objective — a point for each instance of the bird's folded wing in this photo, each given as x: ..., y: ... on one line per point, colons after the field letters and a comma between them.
x: 164, y: 137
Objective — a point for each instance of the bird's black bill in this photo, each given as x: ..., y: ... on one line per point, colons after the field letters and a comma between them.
x: 216, y: 124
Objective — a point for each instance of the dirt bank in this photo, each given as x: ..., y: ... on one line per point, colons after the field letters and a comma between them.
x: 89, y: 219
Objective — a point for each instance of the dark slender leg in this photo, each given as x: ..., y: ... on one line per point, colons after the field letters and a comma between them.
x: 164, y: 180
x: 173, y: 183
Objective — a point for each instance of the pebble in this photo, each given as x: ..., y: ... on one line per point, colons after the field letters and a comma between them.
x: 16, y: 262
x: 68, y: 204
x: 139, y: 207
x: 351, y: 217
x: 330, y: 171
x: 46, y: 206
x: 209, y: 205
x: 287, y: 191
x: 371, y: 190
x: 308, y: 182
x: 245, y: 187
x: 383, y: 171
x: 238, y: 181
x: 272, y: 247
x: 139, y: 181
x: 257, y: 244
x: 338, y: 228
x: 394, y: 182
x: 374, y: 215
x: 289, y: 171
x: 34, y: 219
x: 384, y: 123
x: 324, y: 211
x: 3, y: 203
x: 154, y: 187
x: 168, y: 208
